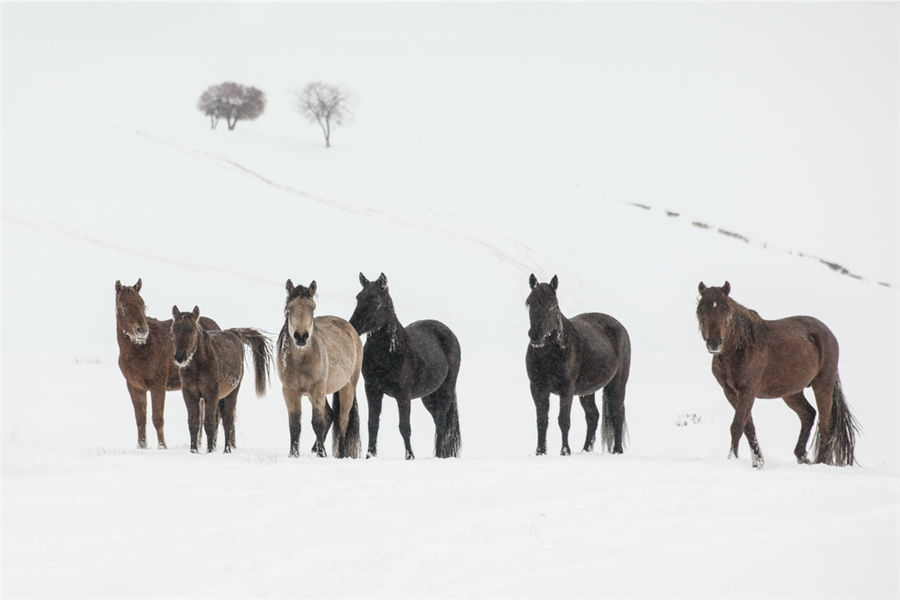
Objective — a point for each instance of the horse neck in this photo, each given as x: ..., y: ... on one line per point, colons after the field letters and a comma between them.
x: 391, y: 333
x: 744, y: 324
x: 204, y: 349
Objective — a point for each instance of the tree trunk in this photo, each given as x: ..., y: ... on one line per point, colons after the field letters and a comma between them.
x: 231, y: 123
x: 213, y: 121
x: 327, y: 133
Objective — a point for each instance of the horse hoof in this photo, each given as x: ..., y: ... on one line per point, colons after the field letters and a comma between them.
x: 758, y: 463
x: 162, y: 446
x: 565, y: 451
x: 195, y: 451
x: 410, y: 456
x: 227, y: 450
x: 803, y: 460
x: 540, y: 452
x: 370, y: 454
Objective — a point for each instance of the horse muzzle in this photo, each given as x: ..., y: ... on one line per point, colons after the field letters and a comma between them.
x: 301, y: 338
x: 714, y: 345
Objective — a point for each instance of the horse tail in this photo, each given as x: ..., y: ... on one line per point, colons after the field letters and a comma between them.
x: 613, y: 409
x: 261, y: 346
x: 838, y: 448
x: 351, y: 445
x: 447, y: 440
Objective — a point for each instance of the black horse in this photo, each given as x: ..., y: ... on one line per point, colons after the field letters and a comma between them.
x: 418, y: 361
x: 577, y: 356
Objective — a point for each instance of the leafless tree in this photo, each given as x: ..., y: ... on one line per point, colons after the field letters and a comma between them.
x: 326, y: 105
x: 232, y: 101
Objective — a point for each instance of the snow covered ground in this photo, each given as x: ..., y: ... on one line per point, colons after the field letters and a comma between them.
x: 490, y: 141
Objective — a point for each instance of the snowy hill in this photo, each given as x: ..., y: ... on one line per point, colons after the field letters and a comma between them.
x: 470, y: 164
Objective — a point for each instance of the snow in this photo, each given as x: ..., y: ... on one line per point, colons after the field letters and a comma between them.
x: 489, y: 142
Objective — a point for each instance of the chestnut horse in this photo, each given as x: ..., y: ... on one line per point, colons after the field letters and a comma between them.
x: 319, y: 356
x: 145, y: 358
x: 756, y: 358
x: 211, y: 367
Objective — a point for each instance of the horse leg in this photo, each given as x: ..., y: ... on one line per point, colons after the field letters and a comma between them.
x: 403, y: 406
x: 329, y: 418
x: 211, y: 421
x: 373, y: 400
x: 592, y: 416
x: 565, y: 420
x: 139, y: 401
x: 800, y: 405
x: 756, y: 453
x: 192, y: 404
x: 742, y: 407
x: 228, y: 410
x: 320, y: 420
x: 292, y: 402
x: 158, y: 402
x: 541, y: 399
x: 346, y: 445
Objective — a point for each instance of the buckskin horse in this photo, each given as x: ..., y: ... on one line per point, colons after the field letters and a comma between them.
x: 319, y: 356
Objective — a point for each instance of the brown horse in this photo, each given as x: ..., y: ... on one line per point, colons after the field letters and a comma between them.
x: 756, y: 358
x: 211, y: 367
x: 145, y: 358
x: 319, y: 356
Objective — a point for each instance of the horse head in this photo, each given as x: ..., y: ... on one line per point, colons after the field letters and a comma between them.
x: 543, y: 312
x: 373, y: 305
x: 298, y: 311
x: 185, y: 335
x: 715, y: 314
x: 131, y: 317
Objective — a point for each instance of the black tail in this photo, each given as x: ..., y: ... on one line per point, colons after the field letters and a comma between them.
x: 261, y: 346
x: 348, y: 445
x: 839, y: 447
x: 613, y: 409
x: 447, y: 440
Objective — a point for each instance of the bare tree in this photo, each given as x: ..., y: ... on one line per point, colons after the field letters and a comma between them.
x: 232, y: 101
x: 326, y: 105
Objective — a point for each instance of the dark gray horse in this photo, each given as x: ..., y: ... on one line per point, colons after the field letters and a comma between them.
x: 576, y: 357
x: 417, y: 361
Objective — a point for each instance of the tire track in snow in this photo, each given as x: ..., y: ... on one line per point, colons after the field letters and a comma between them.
x: 524, y: 263
x: 53, y: 228
x: 835, y: 267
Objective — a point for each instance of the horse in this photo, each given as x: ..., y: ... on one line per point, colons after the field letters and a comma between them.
x: 757, y: 358
x: 211, y: 367
x: 420, y: 360
x: 145, y: 358
x: 319, y: 356
x: 576, y: 356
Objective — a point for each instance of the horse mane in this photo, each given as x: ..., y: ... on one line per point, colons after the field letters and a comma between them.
x: 744, y: 323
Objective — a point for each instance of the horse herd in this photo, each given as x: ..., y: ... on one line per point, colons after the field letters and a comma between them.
x: 318, y: 356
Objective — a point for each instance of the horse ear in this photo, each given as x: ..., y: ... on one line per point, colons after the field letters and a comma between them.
x: 175, y: 311
x: 137, y: 286
x: 289, y: 286
x: 726, y: 288
x: 554, y: 283
x: 312, y: 288
x: 118, y: 286
x: 701, y: 288
x: 382, y: 280
x: 196, y: 312
x: 532, y: 281
x: 362, y: 280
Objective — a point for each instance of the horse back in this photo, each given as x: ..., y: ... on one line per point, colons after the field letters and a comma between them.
x: 796, y: 351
